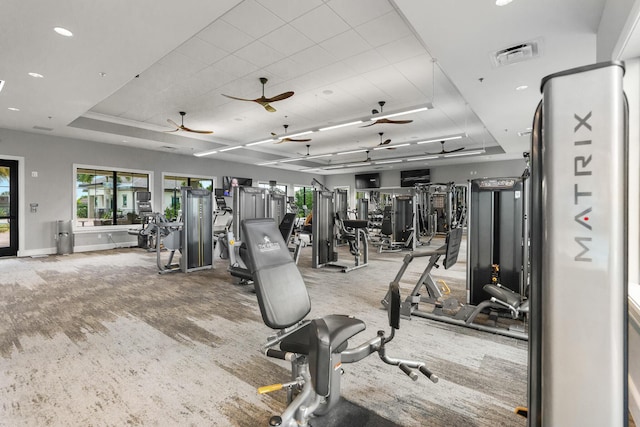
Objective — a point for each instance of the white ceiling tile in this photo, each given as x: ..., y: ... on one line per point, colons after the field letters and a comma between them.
x: 259, y: 54
x: 320, y: 24
x: 356, y: 12
x: 363, y: 89
x: 401, y: 49
x: 225, y: 36
x: 313, y: 58
x: 196, y: 48
x: 255, y: 20
x: 235, y: 66
x: 210, y: 78
x: 287, y: 40
x: 345, y: 45
x: 366, y: 61
x: 419, y: 71
x: 284, y: 69
x: 384, y: 29
x: 178, y: 63
x: 290, y: 9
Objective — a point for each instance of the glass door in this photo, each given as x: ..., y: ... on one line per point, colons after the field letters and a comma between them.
x: 8, y: 207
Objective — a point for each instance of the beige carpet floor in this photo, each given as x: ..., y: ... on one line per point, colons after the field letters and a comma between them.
x: 101, y: 339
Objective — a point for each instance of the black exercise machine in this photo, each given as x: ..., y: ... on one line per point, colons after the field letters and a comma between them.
x: 316, y: 348
x: 450, y: 310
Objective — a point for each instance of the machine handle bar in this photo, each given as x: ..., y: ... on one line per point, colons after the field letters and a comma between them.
x: 433, y: 377
x: 407, y: 370
x: 277, y: 354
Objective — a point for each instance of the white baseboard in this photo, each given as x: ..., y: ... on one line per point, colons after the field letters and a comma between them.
x: 84, y: 248
x: 36, y: 252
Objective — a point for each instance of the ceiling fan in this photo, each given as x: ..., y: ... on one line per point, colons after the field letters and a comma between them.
x: 285, y: 139
x: 183, y: 127
x: 446, y: 151
x: 387, y: 121
x: 264, y: 101
x: 385, y: 142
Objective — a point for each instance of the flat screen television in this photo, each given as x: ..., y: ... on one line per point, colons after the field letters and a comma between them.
x: 233, y: 181
x: 416, y: 176
x: 218, y: 192
x: 366, y: 181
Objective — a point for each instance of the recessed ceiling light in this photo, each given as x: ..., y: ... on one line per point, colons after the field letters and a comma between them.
x: 36, y: 75
x: 327, y: 92
x: 14, y: 109
x: 63, y: 31
x: 102, y: 74
x: 503, y: 2
x: 523, y: 87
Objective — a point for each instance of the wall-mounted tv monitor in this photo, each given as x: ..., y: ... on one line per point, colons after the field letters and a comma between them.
x: 417, y: 176
x: 233, y: 181
x: 218, y: 192
x: 366, y: 181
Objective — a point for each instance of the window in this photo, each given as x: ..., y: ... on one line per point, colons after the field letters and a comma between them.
x: 102, y: 196
x: 304, y: 200
x: 279, y: 187
x: 172, y: 193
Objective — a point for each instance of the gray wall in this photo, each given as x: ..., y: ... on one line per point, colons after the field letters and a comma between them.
x: 53, y: 159
x: 459, y: 174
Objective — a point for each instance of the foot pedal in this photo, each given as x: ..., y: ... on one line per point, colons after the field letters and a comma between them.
x: 522, y: 411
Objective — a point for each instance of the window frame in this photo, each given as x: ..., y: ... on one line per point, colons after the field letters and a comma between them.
x: 74, y: 180
x: 188, y: 178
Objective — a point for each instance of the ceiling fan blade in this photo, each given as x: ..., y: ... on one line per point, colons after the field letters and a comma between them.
x: 280, y: 97
x: 169, y: 131
x: 197, y: 131
x: 268, y: 107
x: 452, y: 151
x: 388, y: 121
x: 371, y: 124
x: 435, y: 154
x: 291, y: 140
x: 393, y: 122
x: 171, y: 122
x: 385, y: 142
x: 240, y: 99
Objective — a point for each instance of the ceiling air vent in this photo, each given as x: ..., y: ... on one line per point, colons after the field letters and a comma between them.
x: 513, y: 54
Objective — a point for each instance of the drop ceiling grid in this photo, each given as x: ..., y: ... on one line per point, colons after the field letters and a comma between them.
x: 253, y: 19
x: 357, y: 12
x: 290, y: 9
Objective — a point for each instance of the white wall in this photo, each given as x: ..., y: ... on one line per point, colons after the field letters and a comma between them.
x: 53, y: 159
